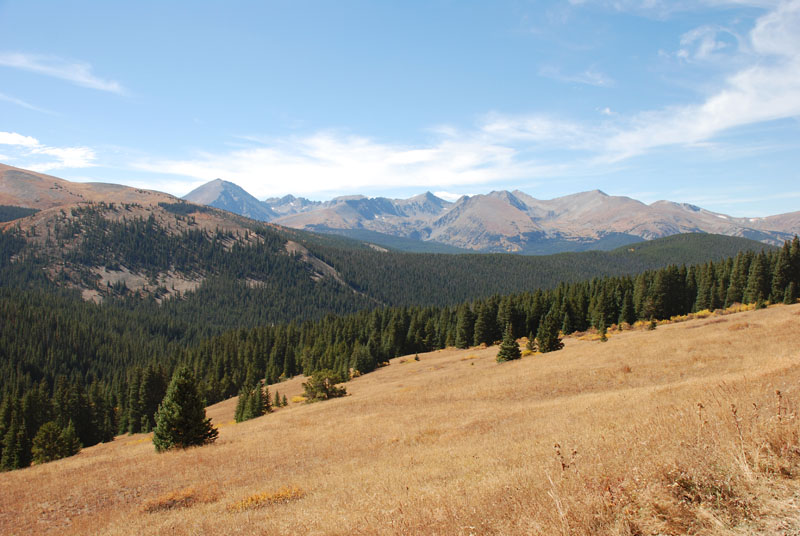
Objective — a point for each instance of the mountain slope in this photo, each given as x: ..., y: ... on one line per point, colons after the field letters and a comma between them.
x: 228, y: 196
x: 630, y: 402
x: 29, y: 189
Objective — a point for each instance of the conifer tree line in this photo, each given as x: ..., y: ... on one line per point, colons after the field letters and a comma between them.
x: 45, y: 380
x: 362, y: 341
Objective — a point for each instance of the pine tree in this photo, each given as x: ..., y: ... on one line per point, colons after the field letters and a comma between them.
x: 758, y: 284
x: 47, y: 444
x: 284, y: 402
x: 277, y: 402
x: 509, y: 349
x: 152, y: 388
x: 361, y: 359
x: 790, y: 296
x: 781, y: 274
x: 241, y: 402
x: 181, y: 418
x: 465, y: 325
x: 69, y: 440
x: 531, y: 344
x: 483, y: 331
x: 547, y: 336
x: 16, y: 451
x: 53, y: 443
x: 627, y: 312
x: 602, y: 330
x: 134, y: 412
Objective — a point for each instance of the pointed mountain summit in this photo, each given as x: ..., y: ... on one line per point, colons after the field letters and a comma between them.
x: 231, y: 197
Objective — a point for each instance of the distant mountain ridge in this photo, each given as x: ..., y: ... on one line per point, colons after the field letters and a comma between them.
x: 504, y: 221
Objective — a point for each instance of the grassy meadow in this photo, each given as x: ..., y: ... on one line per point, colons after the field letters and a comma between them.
x: 690, y: 428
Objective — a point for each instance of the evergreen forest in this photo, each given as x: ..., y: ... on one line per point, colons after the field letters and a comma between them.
x: 73, y: 372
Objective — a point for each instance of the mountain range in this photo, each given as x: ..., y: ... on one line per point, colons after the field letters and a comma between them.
x: 500, y: 221
x: 107, y: 240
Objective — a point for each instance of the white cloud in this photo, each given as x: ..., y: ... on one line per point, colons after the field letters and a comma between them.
x: 65, y: 157
x: 30, y: 153
x: 328, y: 162
x: 77, y: 72
x: 12, y: 138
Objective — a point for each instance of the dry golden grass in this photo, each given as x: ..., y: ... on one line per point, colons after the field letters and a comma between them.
x: 679, y: 430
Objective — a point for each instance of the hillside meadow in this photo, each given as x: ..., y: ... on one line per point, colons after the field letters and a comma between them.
x: 690, y: 428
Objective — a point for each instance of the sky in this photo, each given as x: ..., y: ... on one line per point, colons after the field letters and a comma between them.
x: 695, y: 102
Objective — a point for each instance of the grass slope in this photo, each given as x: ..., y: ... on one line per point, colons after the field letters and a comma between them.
x: 672, y: 431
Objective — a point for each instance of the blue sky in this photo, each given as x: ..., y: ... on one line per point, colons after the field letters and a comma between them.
x: 688, y: 101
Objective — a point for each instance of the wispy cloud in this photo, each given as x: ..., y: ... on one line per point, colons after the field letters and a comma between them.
x: 30, y: 153
x: 590, y: 76
x: 77, y: 72
x: 22, y: 103
x: 330, y: 162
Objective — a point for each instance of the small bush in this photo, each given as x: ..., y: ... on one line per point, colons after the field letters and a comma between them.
x: 260, y: 500
x: 322, y: 386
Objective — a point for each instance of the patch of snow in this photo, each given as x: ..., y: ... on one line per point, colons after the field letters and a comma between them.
x: 722, y: 216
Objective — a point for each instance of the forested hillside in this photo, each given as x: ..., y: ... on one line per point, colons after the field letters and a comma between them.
x: 104, y: 367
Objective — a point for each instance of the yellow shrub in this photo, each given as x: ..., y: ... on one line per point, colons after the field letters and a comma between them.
x: 260, y: 500
x: 298, y: 399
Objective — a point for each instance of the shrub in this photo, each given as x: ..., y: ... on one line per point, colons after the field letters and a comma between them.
x: 259, y: 500
x: 322, y: 386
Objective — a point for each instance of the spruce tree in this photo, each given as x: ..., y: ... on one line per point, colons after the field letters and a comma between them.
x: 531, y: 344
x: 790, y: 296
x: 16, y: 451
x: 465, y: 325
x: 602, y: 329
x: 509, y: 349
x: 483, y: 330
x: 69, y: 440
x: 285, y: 401
x: 627, y: 313
x: 547, y: 335
x: 47, y: 445
x: 181, y: 418
x: 241, y: 402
